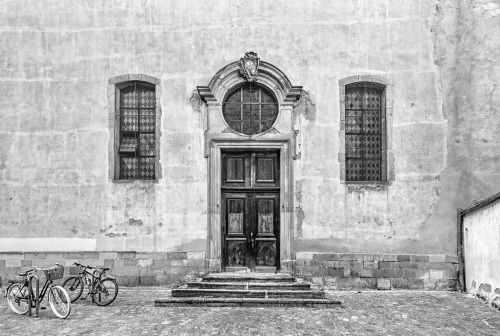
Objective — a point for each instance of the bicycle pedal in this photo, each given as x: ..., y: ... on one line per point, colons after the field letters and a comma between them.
x: 43, y: 308
x: 83, y: 298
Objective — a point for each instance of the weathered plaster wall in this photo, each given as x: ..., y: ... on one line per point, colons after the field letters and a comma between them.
x: 55, y: 63
x: 56, y: 60
x: 394, y: 41
x: 481, y: 251
x: 466, y: 52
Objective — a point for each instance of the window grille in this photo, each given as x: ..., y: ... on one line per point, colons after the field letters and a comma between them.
x: 364, y: 132
x: 250, y: 109
x: 136, y: 151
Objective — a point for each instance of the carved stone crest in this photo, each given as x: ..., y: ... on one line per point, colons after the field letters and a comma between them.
x: 249, y: 66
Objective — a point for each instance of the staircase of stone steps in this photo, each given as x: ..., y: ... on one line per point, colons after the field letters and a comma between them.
x: 247, y: 290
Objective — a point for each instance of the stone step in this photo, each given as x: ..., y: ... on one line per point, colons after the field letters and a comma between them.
x: 248, y: 277
x: 235, y: 293
x: 251, y: 285
x: 258, y: 269
x: 246, y: 302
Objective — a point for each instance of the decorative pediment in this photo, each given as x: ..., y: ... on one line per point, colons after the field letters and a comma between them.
x: 250, y: 68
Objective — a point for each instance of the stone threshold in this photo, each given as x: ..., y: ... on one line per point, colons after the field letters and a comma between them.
x: 248, y: 293
x: 246, y: 302
x: 248, y: 277
x: 250, y: 285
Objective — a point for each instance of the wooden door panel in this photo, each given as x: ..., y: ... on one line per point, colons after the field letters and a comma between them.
x: 265, y: 215
x: 266, y: 209
x: 266, y: 253
x: 265, y: 170
x: 236, y: 253
x: 250, y: 209
x: 236, y: 170
x: 235, y: 216
x: 250, y: 170
x: 235, y: 210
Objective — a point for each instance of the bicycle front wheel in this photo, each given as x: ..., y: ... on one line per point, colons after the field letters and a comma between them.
x: 105, y: 291
x: 59, y: 301
x: 74, y: 286
x: 17, y: 298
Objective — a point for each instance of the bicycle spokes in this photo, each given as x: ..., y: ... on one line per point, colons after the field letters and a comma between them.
x: 106, y: 291
x: 59, y: 301
x: 17, y: 298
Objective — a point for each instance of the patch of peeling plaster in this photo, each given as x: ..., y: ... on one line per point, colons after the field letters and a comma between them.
x: 299, y: 213
x: 366, y: 187
x: 137, y: 222
x: 304, y: 106
x: 195, y: 101
x: 134, y: 227
x: 300, y: 219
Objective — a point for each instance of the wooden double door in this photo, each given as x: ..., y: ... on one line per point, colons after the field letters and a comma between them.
x: 251, y: 211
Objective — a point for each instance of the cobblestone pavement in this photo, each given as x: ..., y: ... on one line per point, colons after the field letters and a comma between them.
x: 364, y: 313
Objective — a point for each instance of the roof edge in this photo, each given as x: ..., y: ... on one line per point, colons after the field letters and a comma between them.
x: 479, y: 204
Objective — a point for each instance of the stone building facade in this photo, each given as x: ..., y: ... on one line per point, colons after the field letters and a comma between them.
x: 168, y: 139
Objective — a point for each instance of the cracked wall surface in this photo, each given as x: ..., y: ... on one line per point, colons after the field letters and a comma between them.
x: 441, y: 56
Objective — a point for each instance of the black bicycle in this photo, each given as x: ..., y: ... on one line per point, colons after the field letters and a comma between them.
x: 102, y: 289
x: 19, y: 295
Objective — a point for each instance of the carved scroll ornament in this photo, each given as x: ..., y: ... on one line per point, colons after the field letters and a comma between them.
x: 249, y: 66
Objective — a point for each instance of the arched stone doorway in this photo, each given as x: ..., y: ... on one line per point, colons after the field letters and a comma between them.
x: 234, y: 245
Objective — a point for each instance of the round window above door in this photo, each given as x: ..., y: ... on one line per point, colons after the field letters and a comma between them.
x: 250, y: 109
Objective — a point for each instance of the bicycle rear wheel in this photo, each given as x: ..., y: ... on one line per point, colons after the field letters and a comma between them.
x: 17, y: 298
x: 105, y: 291
x: 59, y: 301
x: 74, y: 286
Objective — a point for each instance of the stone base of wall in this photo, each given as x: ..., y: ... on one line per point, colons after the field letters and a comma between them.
x: 340, y: 271
x: 129, y: 268
x: 347, y: 271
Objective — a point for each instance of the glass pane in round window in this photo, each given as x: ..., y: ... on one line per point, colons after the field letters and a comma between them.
x: 250, y: 109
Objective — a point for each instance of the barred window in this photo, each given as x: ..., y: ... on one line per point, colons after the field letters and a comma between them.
x: 250, y: 109
x: 364, y: 132
x: 136, y: 152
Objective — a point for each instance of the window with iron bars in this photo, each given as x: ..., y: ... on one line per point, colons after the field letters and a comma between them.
x: 136, y: 152
x: 250, y: 109
x: 364, y: 132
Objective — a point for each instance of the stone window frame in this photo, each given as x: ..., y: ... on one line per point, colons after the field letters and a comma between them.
x: 114, y: 86
x: 388, y: 108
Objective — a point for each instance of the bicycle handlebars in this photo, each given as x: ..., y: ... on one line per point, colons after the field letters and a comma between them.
x: 34, y: 269
x: 103, y: 269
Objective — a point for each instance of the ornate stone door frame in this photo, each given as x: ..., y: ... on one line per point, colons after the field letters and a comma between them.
x: 219, y: 137
x: 214, y: 247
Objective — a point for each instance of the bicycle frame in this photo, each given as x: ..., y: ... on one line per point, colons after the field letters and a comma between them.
x: 90, y: 279
x: 33, y: 299
x: 45, y: 287
x: 27, y: 293
x: 42, y: 293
